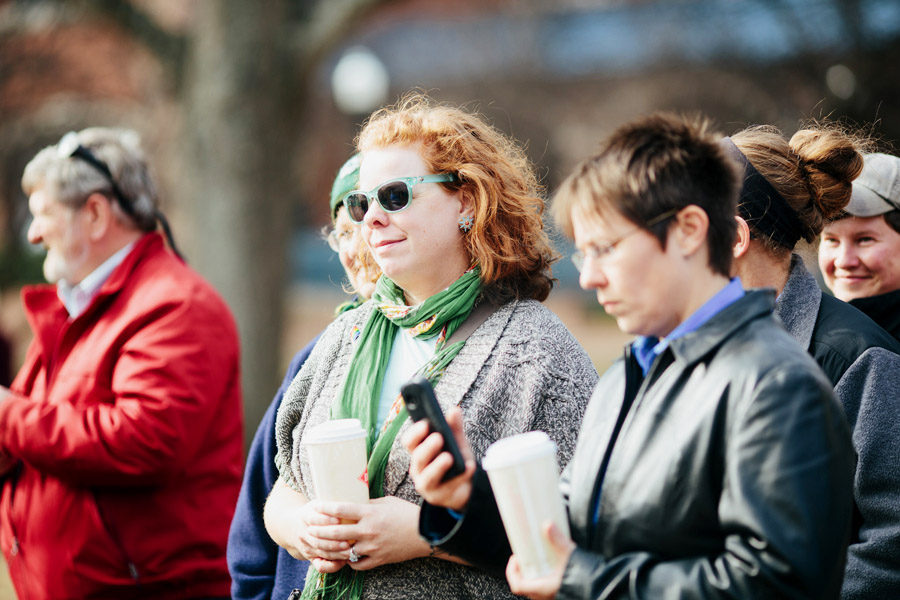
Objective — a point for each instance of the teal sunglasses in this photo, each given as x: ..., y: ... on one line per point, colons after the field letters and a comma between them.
x: 393, y: 195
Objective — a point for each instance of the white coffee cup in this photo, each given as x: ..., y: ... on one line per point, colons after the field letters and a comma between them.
x: 337, y: 459
x: 523, y: 473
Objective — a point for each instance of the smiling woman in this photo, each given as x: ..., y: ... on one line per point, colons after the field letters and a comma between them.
x: 451, y: 211
x: 860, y: 257
x: 418, y: 246
x: 860, y: 251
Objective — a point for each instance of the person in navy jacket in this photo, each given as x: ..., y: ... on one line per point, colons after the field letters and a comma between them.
x: 259, y: 568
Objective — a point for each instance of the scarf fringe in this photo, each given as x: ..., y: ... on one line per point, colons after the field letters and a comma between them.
x: 346, y: 584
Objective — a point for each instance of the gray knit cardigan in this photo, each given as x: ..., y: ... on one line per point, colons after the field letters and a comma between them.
x: 521, y: 370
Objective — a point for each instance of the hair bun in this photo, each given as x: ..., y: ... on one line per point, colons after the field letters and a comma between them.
x: 829, y: 161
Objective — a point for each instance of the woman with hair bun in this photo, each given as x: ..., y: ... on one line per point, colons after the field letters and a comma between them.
x: 791, y: 190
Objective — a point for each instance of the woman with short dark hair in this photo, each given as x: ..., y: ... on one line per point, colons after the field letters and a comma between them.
x: 713, y: 460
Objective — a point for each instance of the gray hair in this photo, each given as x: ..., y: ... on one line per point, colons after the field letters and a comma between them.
x: 70, y: 180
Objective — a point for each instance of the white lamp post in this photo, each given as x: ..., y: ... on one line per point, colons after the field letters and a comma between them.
x: 359, y: 82
x: 841, y: 81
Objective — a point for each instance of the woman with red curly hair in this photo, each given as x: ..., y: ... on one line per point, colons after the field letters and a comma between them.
x: 450, y: 209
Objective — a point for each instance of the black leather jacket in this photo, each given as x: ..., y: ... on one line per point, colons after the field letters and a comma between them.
x: 726, y: 472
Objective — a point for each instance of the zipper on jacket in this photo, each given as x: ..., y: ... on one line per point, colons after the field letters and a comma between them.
x: 113, y: 535
x: 634, y: 378
x: 15, y: 549
x: 13, y: 483
x: 636, y: 385
x: 57, y: 357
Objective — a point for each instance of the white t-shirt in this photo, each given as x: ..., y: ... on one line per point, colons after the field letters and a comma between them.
x: 408, y: 355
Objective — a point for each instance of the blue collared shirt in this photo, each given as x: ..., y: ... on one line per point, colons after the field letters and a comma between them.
x: 646, y: 349
x: 76, y: 298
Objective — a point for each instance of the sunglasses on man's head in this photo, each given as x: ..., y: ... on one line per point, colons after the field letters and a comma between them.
x: 70, y: 147
x: 393, y: 195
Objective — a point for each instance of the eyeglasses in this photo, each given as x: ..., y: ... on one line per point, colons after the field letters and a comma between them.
x: 70, y: 147
x: 393, y: 195
x: 596, y: 251
x: 338, y: 240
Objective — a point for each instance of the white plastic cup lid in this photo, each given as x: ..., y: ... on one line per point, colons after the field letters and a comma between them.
x: 518, y: 449
x: 339, y: 430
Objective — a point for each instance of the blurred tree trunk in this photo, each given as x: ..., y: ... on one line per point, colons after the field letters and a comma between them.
x: 234, y: 168
x: 241, y: 75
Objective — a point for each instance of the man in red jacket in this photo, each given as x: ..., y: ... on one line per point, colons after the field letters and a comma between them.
x: 121, y: 435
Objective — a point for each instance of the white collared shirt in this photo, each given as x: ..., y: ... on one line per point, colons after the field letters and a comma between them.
x: 76, y: 298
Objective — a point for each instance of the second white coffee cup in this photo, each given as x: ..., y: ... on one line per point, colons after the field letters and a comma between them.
x: 337, y: 459
x: 524, y: 476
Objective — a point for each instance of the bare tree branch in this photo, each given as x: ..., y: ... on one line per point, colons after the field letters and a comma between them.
x: 326, y: 27
x: 851, y: 16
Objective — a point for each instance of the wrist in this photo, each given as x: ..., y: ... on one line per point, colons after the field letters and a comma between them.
x: 458, y: 509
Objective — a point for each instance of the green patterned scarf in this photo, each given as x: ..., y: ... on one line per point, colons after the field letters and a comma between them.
x: 440, y: 315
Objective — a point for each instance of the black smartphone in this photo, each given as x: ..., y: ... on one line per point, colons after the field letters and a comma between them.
x: 418, y: 395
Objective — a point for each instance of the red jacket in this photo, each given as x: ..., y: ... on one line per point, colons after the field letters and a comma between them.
x: 127, y: 426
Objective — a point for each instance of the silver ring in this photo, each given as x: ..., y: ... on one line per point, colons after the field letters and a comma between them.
x: 353, y: 555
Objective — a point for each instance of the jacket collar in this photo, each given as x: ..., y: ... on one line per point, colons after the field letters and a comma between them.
x: 77, y: 298
x: 145, y: 246
x: 692, y: 347
x: 45, y: 311
x: 798, y: 305
x: 884, y: 309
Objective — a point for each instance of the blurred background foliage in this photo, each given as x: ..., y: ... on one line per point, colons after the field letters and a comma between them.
x: 248, y: 108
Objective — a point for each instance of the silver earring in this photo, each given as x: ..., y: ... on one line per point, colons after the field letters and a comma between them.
x: 465, y: 223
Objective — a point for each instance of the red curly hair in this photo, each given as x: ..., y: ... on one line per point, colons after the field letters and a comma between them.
x: 508, y: 240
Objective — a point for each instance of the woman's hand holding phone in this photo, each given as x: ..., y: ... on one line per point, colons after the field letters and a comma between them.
x: 430, y: 463
x: 422, y: 405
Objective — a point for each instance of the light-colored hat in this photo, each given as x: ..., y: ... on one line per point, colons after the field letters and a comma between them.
x: 877, y: 189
